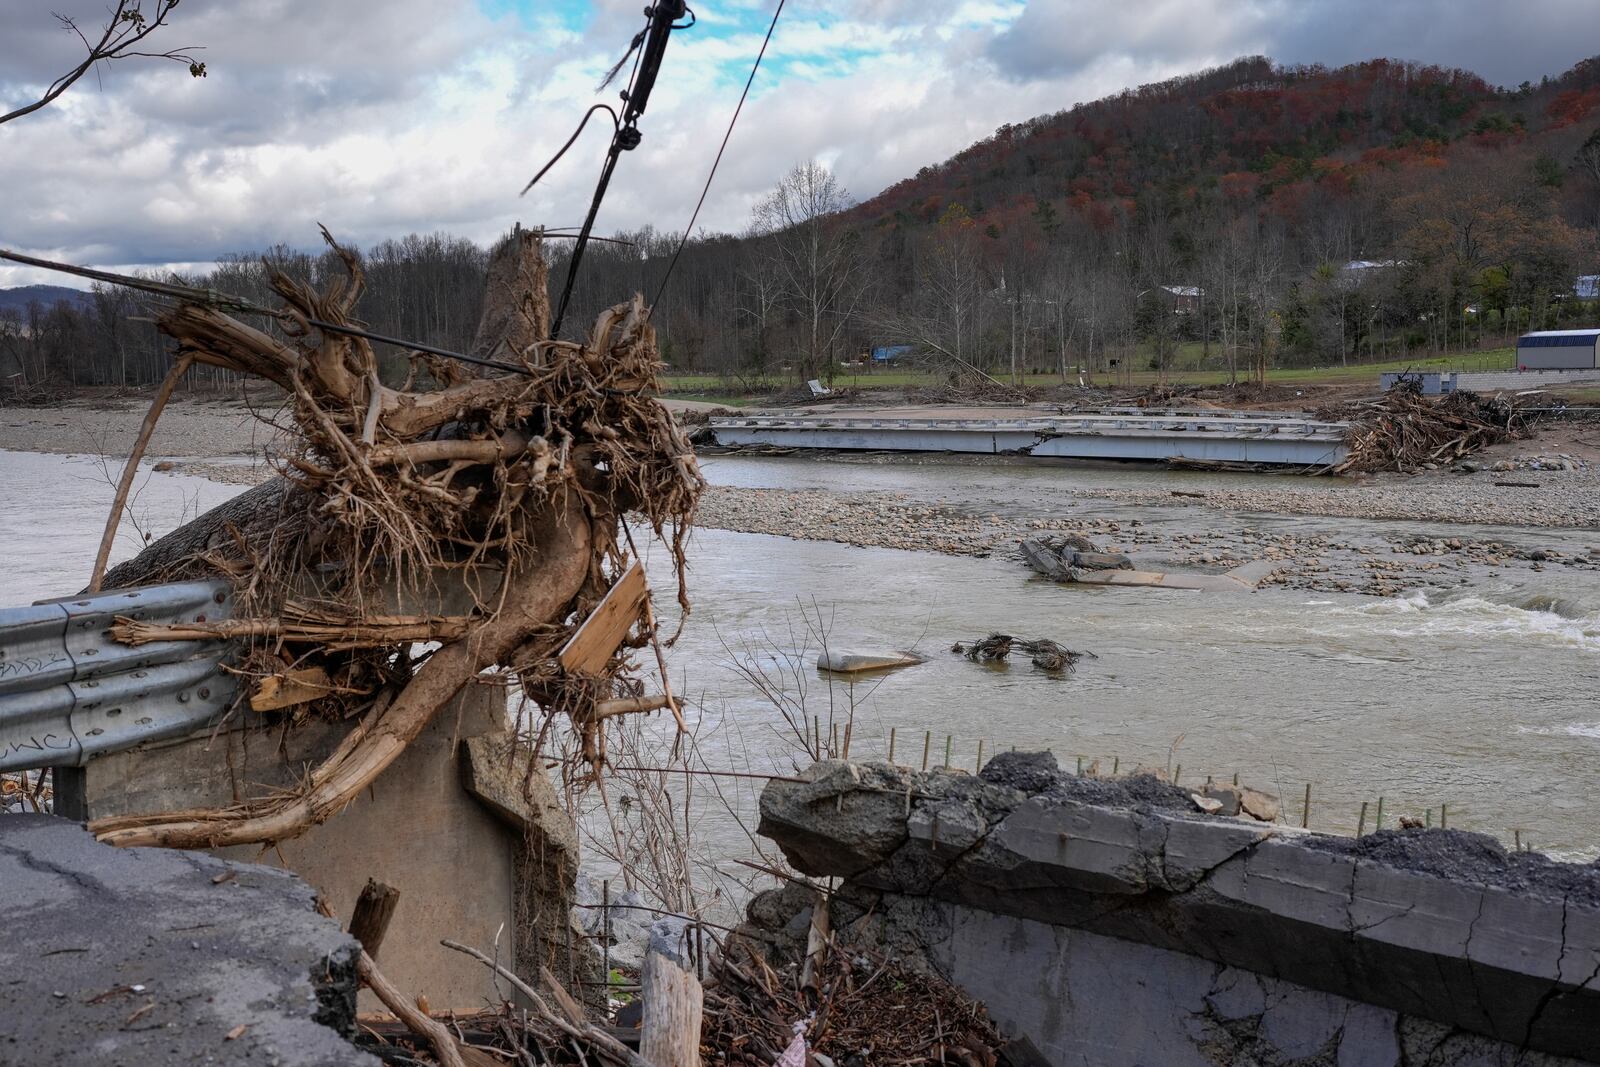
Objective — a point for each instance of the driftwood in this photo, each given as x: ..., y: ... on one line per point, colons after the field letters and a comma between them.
x: 1406, y: 430
x: 368, y: 631
x: 563, y: 1028
x: 416, y: 1019
x: 512, y: 487
x: 1045, y: 654
x: 549, y: 580
x: 179, y: 368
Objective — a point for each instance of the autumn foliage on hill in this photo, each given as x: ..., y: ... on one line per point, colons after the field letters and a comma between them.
x: 1248, y: 133
x: 1245, y: 217
x: 1266, y: 213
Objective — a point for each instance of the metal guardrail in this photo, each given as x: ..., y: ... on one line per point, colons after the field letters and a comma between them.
x: 69, y: 693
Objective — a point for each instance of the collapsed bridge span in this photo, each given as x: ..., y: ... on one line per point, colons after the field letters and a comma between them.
x: 1114, y: 434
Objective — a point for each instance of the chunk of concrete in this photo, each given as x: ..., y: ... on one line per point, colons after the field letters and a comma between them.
x: 1228, y: 798
x: 860, y: 662
x: 1439, y: 924
x: 145, y: 956
x: 1259, y: 805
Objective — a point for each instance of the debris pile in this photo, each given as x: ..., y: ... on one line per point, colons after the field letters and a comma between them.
x: 849, y: 1004
x: 858, y: 1007
x: 483, y: 513
x: 1406, y: 431
x: 1060, y: 557
x: 1046, y: 654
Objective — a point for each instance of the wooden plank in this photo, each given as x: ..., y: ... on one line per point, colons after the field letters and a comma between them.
x: 590, y: 649
x: 300, y: 686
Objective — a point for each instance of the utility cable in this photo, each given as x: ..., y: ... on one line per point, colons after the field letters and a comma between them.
x: 683, y: 239
x: 662, y: 20
x: 212, y: 298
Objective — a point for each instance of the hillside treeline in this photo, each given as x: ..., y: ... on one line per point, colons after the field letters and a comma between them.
x: 1241, y: 218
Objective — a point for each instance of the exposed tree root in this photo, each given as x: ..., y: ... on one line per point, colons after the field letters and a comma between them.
x: 510, y: 489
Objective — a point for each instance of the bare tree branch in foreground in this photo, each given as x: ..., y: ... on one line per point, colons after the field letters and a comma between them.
x: 125, y: 31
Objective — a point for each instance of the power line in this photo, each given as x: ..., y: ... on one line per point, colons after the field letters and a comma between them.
x: 684, y: 238
x: 648, y: 47
x: 213, y: 298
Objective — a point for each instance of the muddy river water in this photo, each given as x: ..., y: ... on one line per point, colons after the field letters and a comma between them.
x: 1482, y: 697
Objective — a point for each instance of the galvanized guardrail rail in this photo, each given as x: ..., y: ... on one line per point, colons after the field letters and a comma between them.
x: 68, y: 692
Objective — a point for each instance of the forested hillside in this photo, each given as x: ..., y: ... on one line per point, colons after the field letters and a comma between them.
x: 1248, y: 216
x: 21, y: 297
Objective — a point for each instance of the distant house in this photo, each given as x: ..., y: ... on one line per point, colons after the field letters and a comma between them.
x: 1185, y: 299
x: 1587, y: 287
x: 1361, y: 266
x: 890, y: 354
x: 1358, y: 272
x: 1559, y: 350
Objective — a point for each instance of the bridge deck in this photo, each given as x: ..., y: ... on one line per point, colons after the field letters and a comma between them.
x: 1247, y: 437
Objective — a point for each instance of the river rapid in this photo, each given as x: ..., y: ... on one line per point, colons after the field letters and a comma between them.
x: 1481, y: 696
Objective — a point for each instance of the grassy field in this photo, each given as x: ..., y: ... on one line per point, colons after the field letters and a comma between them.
x: 731, y: 391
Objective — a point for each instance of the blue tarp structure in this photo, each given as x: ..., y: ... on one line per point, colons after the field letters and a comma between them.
x: 890, y: 353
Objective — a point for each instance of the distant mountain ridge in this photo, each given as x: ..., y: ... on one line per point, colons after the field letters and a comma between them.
x: 19, y: 297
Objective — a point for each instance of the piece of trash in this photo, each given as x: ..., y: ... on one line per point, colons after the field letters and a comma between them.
x: 795, y: 1054
x: 236, y: 1032
x: 225, y: 876
x: 855, y: 662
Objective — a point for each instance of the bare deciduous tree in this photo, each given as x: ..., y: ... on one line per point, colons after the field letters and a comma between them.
x: 123, y: 37
x: 816, y: 257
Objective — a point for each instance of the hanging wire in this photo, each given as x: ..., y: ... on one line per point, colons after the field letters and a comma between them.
x: 647, y: 50
x: 213, y: 298
x: 616, y: 124
x: 683, y: 239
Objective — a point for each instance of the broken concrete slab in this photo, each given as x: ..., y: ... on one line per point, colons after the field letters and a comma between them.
x: 123, y: 956
x: 857, y: 662
x: 1239, y: 580
x: 1436, y: 924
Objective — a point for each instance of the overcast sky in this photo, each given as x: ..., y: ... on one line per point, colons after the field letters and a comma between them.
x: 384, y: 117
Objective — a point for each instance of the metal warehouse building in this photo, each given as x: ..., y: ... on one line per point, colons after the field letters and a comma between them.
x: 1559, y: 350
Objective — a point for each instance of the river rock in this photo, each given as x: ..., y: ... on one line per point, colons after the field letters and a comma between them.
x: 1261, y: 806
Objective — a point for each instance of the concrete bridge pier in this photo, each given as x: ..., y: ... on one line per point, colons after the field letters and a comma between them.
x: 447, y: 824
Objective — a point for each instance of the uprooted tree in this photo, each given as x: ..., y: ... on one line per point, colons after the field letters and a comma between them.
x: 512, y: 488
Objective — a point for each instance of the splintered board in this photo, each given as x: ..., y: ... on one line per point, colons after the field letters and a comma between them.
x: 299, y: 686
x: 589, y: 650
